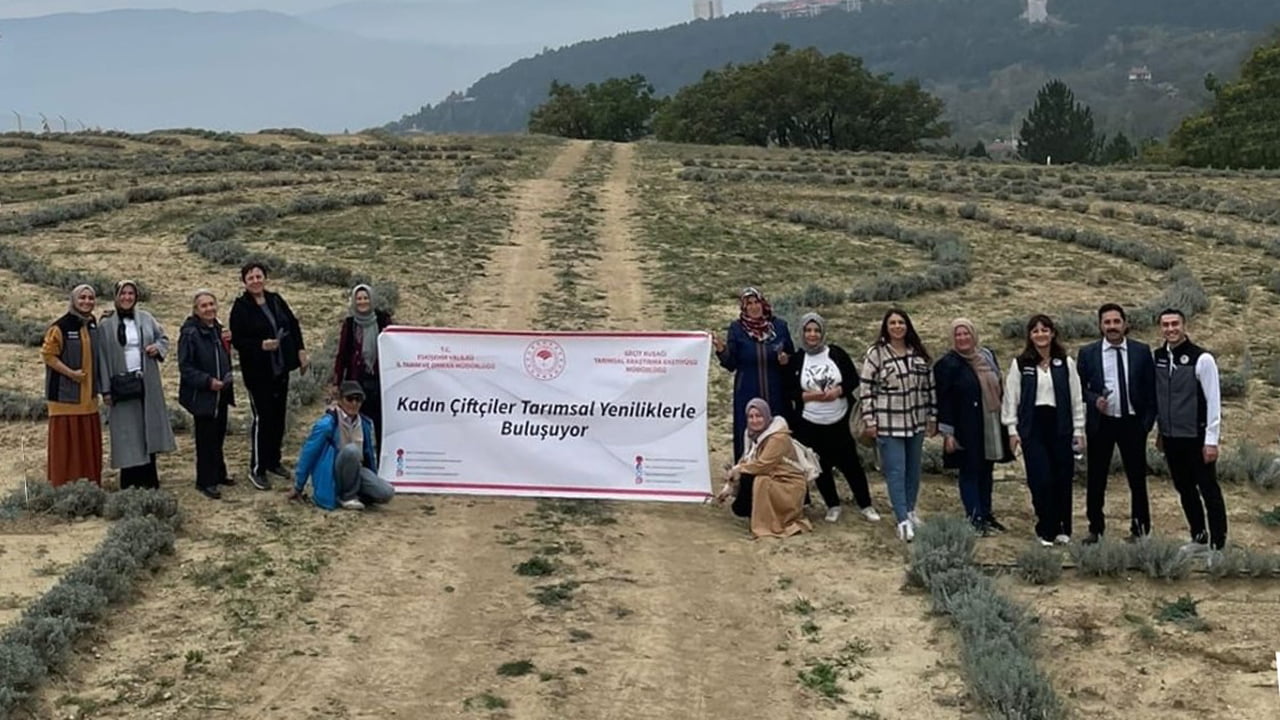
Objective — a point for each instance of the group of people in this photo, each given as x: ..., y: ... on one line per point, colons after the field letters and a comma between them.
x: 1046, y: 406
x: 116, y: 357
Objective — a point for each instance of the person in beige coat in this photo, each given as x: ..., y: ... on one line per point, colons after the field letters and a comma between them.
x: 768, y: 484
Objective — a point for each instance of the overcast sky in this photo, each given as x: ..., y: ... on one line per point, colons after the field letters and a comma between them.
x: 27, y: 8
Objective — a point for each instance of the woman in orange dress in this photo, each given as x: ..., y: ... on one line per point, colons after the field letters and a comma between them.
x: 72, y: 386
x: 768, y: 482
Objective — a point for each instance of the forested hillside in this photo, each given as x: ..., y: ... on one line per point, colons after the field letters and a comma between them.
x: 977, y: 55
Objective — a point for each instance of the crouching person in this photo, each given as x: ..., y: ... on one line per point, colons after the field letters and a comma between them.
x: 340, y: 456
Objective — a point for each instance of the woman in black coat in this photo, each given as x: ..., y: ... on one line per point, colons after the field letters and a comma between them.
x: 268, y: 339
x: 205, y: 389
x: 970, y: 393
x: 822, y: 385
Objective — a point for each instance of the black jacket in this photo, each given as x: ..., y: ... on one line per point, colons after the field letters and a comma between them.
x: 1140, y: 370
x: 249, y: 327
x: 849, y: 378
x: 960, y: 410
x: 202, y: 357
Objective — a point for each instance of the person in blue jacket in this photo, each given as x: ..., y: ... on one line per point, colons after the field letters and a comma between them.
x: 340, y: 456
x: 755, y: 349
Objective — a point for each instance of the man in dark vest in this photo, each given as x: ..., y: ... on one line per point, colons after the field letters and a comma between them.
x: 1189, y: 414
x: 1119, y: 382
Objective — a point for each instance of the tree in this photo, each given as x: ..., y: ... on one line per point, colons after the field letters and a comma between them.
x: 1058, y: 127
x: 565, y: 114
x: 1116, y: 150
x: 618, y: 109
x: 1242, y: 127
x: 979, y: 150
x: 802, y: 99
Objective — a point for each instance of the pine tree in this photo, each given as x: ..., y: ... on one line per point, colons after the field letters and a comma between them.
x: 1242, y: 128
x: 1117, y: 150
x: 979, y: 150
x: 1058, y: 128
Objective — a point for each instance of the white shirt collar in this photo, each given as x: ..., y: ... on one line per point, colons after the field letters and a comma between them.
x: 1124, y: 345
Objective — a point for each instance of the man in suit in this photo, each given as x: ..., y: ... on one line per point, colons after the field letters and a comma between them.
x: 1118, y: 378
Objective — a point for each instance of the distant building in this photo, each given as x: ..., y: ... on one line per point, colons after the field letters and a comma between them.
x: 1139, y: 74
x: 708, y: 9
x: 1037, y: 12
x: 807, y: 8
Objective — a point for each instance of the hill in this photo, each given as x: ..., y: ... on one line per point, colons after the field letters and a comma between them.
x: 978, y: 55
x: 530, y: 25
x: 142, y: 69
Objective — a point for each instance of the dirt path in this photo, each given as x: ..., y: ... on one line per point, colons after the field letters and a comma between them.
x: 516, y: 275
x: 625, y: 292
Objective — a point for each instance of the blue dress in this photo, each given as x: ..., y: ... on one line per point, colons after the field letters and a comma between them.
x: 756, y: 373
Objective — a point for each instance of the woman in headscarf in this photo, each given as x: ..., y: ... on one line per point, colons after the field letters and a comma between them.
x: 206, y: 390
x: 767, y: 481
x: 357, y: 358
x: 756, y: 348
x: 824, y: 382
x: 72, y: 385
x: 970, y: 396
x: 132, y: 346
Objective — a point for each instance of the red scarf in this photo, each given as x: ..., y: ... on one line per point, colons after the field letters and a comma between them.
x: 761, y: 328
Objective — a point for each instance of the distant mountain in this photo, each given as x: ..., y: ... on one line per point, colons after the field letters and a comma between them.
x: 144, y: 69
x: 532, y: 24
x: 981, y: 56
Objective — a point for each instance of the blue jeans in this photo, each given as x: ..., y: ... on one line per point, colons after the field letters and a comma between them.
x: 900, y: 463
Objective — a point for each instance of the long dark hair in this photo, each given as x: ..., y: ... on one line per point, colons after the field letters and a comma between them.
x: 912, y: 339
x: 1030, y: 355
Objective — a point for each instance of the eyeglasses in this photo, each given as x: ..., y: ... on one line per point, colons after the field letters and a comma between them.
x: 354, y: 398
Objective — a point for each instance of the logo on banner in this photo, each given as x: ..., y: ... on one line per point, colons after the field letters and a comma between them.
x: 400, y: 462
x: 639, y: 469
x: 544, y: 359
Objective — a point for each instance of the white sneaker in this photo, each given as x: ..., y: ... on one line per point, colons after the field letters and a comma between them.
x: 833, y: 514
x: 1063, y: 539
x: 906, y: 533
x: 914, y: 519
x: 352, y: 504
x: 1194, y: 549
x: 870, y: 514
x: 1043, y: 542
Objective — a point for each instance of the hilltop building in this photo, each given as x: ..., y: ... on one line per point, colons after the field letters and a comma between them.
x: 1037, y: 12
x: 1140, y: 73
x: 807, y: 8
x: 708, y: 9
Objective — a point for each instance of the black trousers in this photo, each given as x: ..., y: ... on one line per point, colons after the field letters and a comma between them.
x: 836, y: 450
x: 140, y: 476
x: 269, y: 404
x: 742, y: 503
x: 1128, y: 434
x: 1048, y: 458
x: 372, y: 406
x: 211, y: 436
x: 1197, y: 484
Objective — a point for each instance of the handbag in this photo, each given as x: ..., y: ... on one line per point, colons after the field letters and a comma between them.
x: 126, y: 386
x: 858, y: 425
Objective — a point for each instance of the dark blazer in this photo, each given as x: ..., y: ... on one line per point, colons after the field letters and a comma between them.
x: 848, y: 378
x: 249, y: 327
x: 348, y: 363
x: 1141, y: 370
x: 960, y: 409
x: 202, y: 357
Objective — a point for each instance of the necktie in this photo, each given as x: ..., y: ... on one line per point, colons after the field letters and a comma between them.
x: 1123, y: 379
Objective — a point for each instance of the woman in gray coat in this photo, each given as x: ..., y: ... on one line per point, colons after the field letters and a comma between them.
x: 131, y: 347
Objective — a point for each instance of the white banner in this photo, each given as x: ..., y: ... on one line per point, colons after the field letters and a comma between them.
x: 574, y: 414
